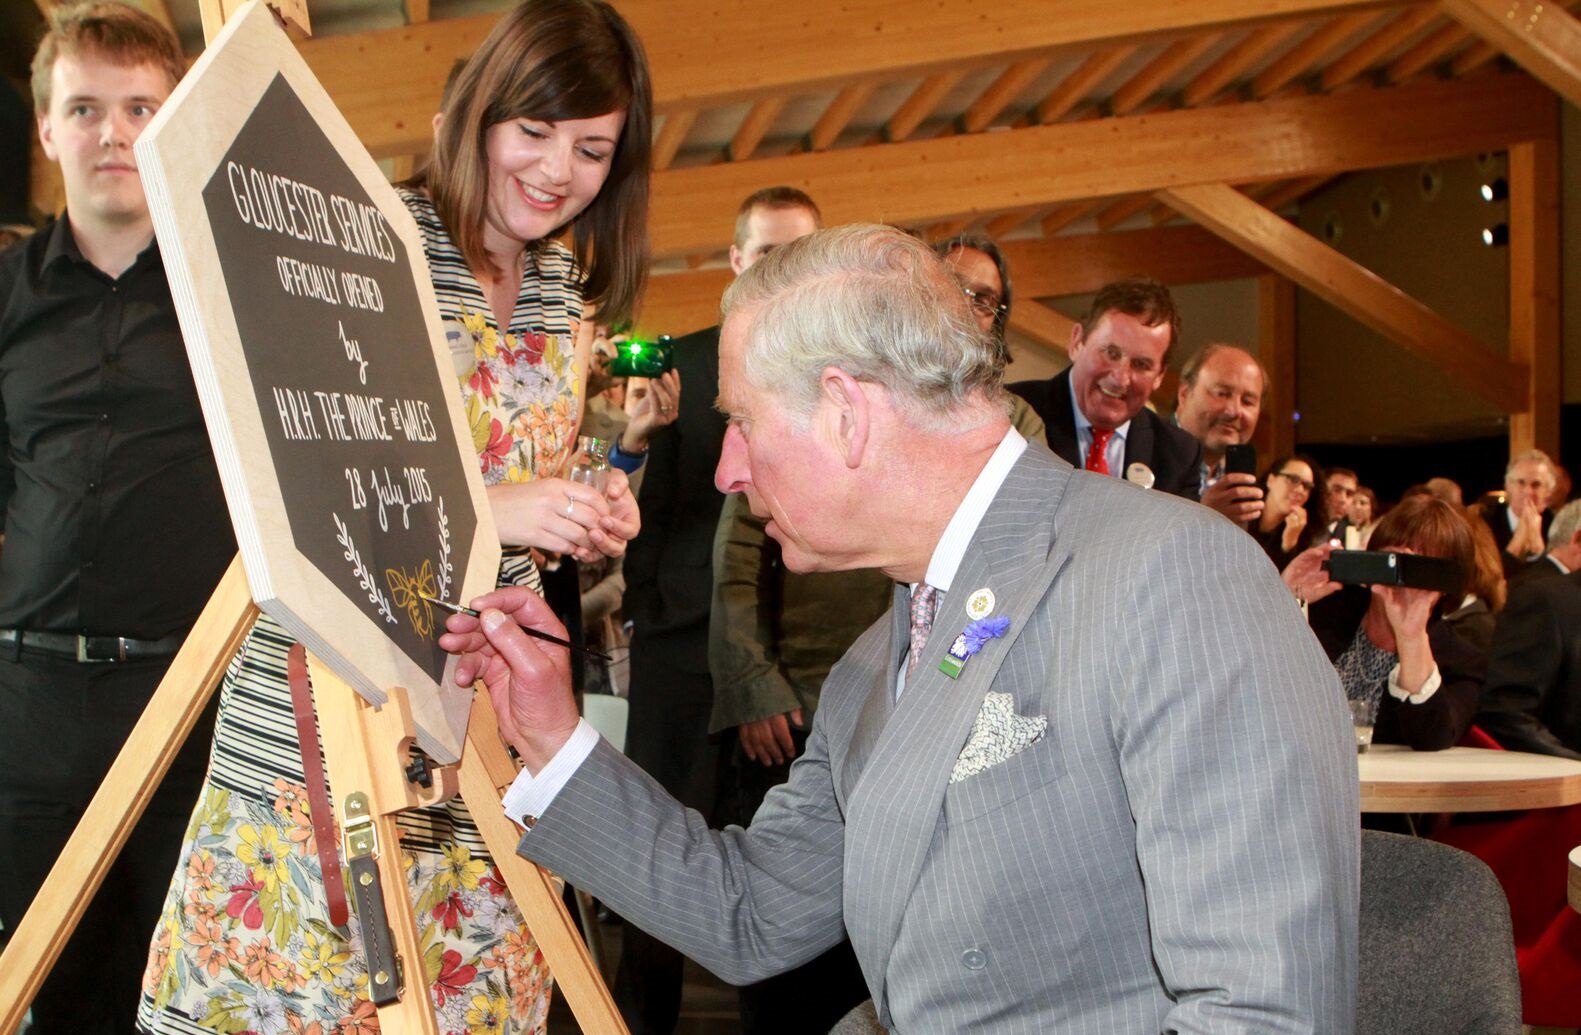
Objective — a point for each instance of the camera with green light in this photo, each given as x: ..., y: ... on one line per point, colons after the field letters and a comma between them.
x: 637, y: 358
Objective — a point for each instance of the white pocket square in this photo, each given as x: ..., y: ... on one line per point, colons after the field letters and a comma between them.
x: 998, y: 734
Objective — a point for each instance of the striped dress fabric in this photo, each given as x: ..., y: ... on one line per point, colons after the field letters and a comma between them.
x: 245, y: 943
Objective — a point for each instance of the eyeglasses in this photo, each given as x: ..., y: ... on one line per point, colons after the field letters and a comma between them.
x: 985, y: 302
x: 1296, y: 480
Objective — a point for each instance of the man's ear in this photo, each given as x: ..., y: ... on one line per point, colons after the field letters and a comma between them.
x: 850, y: 410
x: 1180, y: 395
x: 1075, y: 338
x: 46, y: 137
x: 735, y: 261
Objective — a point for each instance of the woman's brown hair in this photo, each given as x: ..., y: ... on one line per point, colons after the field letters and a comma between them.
x: 554, y: 60
x: 1432, y: 528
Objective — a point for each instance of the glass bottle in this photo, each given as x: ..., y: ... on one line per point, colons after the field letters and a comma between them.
x: 591, y: 466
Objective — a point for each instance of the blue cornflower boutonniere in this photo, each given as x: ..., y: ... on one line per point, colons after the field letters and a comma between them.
x: 971, y: 640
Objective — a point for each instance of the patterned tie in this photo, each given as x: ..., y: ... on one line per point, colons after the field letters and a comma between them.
x: 924, y: 604
x: 1097, y: 456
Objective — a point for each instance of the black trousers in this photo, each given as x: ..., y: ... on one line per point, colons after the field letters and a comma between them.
x: 667, y: 735
x: 61, y: 725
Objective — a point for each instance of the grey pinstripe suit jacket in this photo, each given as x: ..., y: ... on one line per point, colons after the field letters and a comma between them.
x: 1178, y: 853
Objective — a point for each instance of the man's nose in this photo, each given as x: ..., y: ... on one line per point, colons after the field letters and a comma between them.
x: 732, y: 474
x: 115, y: 130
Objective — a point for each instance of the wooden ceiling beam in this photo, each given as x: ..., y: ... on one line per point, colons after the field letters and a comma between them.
x: 1001, y: 92
x: 1354, y: 290
x: 677, y: 303
x: 1064, y: 216
x: 1117, y: 212
x: 417, y: 11
x: 1234, y: 62
x: 1363, y: 55
x: 1135, y: 91
x: 1076, y: 87
x: 948, y: 228
x: 1300, y: 59
x: 838, y: 115
x: 967, y: 175
x: 920, y: 104
x: 1473, y: 58
x: 1043, y: 324
x: 1009, y: 222
x: 1295, y: 190
x: 671, y: 136
x: 758, y: 121
x: 1542, y: 37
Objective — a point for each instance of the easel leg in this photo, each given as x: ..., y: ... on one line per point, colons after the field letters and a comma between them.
x: 124, y: 794
x: 365, y: 750
x: 485, y: 769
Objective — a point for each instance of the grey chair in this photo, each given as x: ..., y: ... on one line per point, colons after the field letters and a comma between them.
x: 1437, y: 954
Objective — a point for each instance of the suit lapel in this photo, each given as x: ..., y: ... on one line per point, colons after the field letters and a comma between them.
x: 1138, y: 443
x: 1061, y: 426
x: 880, y: 701
x: 897, y: 797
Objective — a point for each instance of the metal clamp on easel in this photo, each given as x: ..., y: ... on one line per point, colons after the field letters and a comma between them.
x: 385, y: 976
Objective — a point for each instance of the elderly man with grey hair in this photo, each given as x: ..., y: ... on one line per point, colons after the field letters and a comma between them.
x: 1078, y: 779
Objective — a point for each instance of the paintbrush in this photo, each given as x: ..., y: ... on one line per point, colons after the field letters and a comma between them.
x: 548, y: 637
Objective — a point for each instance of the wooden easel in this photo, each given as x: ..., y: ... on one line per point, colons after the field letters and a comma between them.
x: 365, y: 748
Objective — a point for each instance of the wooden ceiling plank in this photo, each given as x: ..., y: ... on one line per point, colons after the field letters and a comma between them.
x: 417, y: 11
x: 1234, y: 62
x: 1365, y: 54
x: 1133, y: 93
x: 1300, y: 59
x: 1473, y: 58
x: 759, y: 120
x: 838, y: 115
x: 1426, y: 52
x: 1162, y: 215
x: 920, y: 104
x: 948, y: 228
x: 1076, y: 87
x: 1117, y: 212
x: 1009, y: 222
x: 1064, y: 216
x: 996, y: 172
x: 1001, y: 93
x: 1540, y: 35
x: 1293, y: 191
x: 1043, y: 324
x: 1354, y: 290
x: 671, y: 136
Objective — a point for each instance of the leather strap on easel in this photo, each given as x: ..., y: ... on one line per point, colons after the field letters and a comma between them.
x: 317, y: 790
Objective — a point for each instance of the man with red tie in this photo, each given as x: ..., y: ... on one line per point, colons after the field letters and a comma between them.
x: 1096, y: 410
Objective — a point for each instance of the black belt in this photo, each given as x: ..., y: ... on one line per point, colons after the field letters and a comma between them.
x: 90, y: 648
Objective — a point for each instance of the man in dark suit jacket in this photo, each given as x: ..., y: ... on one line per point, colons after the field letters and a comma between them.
x: 1118, y: 355
x: 669, y: 586
x: 1532, y: 700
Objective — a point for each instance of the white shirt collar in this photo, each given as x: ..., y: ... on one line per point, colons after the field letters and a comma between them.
x: 1083, y: 425
x: 951, y: 548
x: 1557, y: 563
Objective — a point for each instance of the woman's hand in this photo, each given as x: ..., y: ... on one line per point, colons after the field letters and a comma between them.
x: 1306, y: 576
x: 550, y: 514
x: 1295, y: 524
x: 620, y: 525
x: 657, y: 409
x: 1407, y: 611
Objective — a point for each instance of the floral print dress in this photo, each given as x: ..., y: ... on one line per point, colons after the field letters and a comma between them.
x: 245, y: 944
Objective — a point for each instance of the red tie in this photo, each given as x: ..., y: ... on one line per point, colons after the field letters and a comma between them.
x: 1097, y: 455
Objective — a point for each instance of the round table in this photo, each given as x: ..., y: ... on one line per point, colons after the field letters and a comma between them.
x: 1461, y: 779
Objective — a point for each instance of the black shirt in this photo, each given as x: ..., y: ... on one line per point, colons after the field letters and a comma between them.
x: 115, y: 523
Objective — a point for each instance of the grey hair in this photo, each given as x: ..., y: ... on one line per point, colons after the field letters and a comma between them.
x: 1565, y: 525
x: 1536, y: 455
x: 879, y: 305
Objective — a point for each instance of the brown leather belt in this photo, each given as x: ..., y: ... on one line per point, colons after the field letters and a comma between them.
x: 317, y: 790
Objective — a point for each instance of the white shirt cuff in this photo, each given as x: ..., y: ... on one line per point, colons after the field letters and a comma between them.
x: 529, y: 796
x: 1429, y: 687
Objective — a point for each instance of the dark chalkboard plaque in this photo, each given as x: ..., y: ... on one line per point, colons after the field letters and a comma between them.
x: 315, y: 342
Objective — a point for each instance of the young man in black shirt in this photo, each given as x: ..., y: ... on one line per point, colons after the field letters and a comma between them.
x: 115, y: 526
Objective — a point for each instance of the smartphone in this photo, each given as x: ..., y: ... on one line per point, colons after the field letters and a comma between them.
x: 1240, y: 459
x: 1384, y: 568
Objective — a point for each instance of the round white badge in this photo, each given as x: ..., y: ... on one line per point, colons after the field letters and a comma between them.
x: 979, y: 604
x: 1140, y: 474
